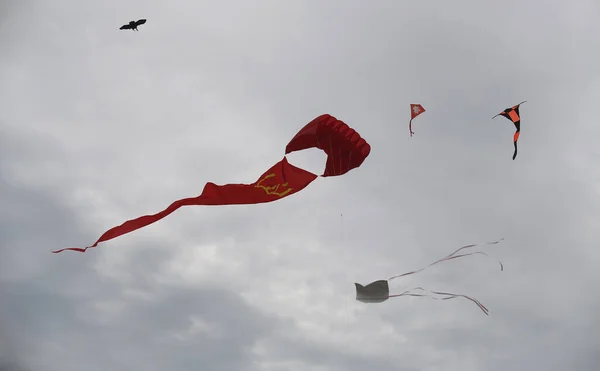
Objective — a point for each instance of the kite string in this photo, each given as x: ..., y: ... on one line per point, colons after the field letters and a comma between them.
x: 340, y: 157
x: 343, y: 239
x: 331, y: 154
x: 446, y: 295
x: 344, y: 247
x: 453, y: 256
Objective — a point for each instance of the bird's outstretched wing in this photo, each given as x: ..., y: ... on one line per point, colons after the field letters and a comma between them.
x: 140, y: 22
x: 125, y: 27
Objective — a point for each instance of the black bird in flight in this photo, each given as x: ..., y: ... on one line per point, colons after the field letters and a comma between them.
x: 133, y: 25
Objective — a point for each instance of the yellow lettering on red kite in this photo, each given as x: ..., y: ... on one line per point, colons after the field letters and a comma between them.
x: 275, y: 189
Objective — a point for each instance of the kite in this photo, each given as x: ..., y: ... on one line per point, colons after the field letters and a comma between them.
x: 379, y: 291
x: 133, y: 25
x: 345, y: 149
x: 415, y: 110
x: 513, y: 115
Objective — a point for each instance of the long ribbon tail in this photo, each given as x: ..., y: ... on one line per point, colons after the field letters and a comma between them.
x: 410, y: 127
x: 445, y: 296
x: 516, y: 138
x: 134, y: 224
x: 453, y: 256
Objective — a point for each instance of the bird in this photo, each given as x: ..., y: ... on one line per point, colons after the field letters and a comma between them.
x: 133, y: 25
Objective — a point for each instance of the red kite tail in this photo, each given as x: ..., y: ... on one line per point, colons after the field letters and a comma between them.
x: 281, y: 180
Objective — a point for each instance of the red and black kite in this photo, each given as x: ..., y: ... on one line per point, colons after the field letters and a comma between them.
x: 415, y: 110
x: 513, y: 115
x: 379, y: 291
x: 345, y: 150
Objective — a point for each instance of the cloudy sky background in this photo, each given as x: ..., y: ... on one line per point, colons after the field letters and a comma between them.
x: 98, y: 126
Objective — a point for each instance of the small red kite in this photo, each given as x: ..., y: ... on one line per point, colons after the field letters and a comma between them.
x: 415, y: 110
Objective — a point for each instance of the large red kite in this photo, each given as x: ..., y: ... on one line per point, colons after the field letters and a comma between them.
x: 344, y: 147
x: 345, y: 150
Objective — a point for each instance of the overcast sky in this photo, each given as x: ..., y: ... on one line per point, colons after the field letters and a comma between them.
x: 99, y: 125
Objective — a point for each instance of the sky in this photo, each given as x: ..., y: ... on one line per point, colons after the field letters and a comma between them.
x: 99, y: 125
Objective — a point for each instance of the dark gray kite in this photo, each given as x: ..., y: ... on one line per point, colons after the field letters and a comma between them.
x: 133, y: 25
x: 379, y: 291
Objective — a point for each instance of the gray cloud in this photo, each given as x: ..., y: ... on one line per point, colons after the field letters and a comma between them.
x: 99, y: 125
